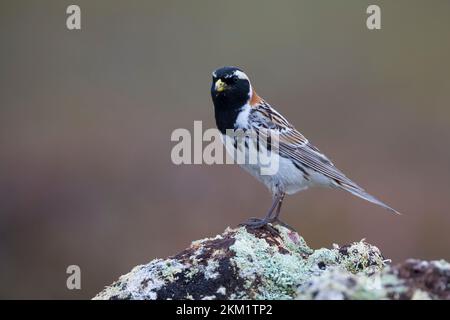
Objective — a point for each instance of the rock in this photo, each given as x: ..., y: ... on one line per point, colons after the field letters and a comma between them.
x: 276, y: 263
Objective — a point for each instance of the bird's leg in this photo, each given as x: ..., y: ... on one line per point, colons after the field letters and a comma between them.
x: 257, y: 222
x: 276, y: 218
x: 280, y: 203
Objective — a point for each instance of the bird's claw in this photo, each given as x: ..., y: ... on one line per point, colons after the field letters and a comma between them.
x: 256, y: 223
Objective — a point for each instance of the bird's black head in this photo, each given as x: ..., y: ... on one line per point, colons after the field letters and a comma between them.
x: 230, y: 87
x: 230, y: 90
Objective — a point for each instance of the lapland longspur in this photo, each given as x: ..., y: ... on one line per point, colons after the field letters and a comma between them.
x: 301, y: 165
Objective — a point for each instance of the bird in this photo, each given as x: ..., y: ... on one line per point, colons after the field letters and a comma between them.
x: 301, y: 165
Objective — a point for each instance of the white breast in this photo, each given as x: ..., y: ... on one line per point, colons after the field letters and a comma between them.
x: 287, y: 179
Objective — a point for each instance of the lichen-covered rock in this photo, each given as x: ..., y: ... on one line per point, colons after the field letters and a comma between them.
x: 276, y: 263
x: 413, y: 279
x: 422, y: 279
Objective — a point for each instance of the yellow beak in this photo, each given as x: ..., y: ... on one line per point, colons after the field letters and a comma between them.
x: 220, y: 85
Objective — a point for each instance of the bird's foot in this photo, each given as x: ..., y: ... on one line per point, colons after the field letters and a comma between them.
x: 256, y: 223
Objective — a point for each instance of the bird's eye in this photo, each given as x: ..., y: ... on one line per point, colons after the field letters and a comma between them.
x: 232, y: 80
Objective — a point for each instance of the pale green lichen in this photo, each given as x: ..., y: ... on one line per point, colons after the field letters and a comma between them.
x: 196, y: 243
x: 441, y: 264
x: 336, y: 283
x: 362, y: 257
x: 420, y: 295
x: 143, y: 280
x: 171, y: 268
x: 258, y: 260
x: 293, y: 241
x: 321, y: 258
x: 210, y: 271
x: 393, y: 286
x: 222, y: 290
x: 281, y: 273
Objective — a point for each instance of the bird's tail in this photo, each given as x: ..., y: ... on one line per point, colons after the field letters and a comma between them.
x: 360, y: 192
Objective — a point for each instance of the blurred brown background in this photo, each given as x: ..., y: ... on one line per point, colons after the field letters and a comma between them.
x: 86, y: 117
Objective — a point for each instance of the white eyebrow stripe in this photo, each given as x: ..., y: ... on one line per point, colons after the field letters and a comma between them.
x: 214, y: 74
x: 240, y: 75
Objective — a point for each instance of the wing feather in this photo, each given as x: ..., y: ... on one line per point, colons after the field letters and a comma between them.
x: 293, y: 145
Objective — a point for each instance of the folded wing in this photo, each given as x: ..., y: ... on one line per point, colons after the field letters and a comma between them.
x: 272, y: 126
